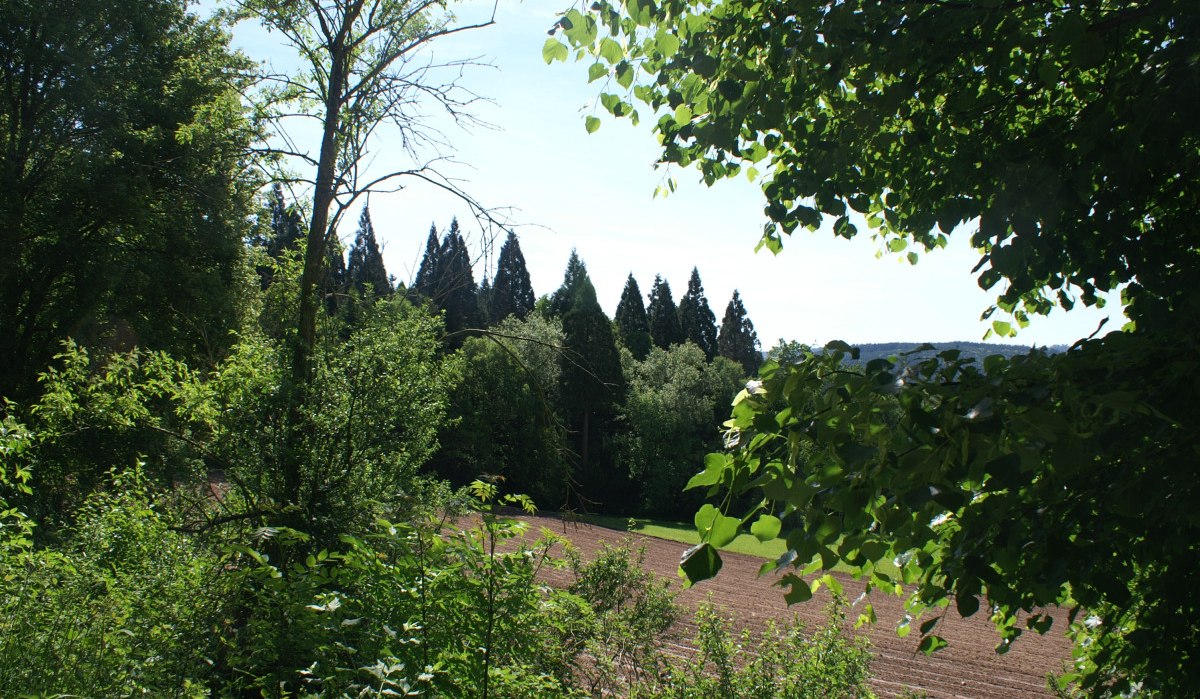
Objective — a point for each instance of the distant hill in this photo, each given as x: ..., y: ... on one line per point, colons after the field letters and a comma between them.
x: 973, y: 350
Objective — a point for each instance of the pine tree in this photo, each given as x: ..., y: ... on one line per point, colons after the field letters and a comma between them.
x: 631, y: 320
x: 737, y: 339
x: 562, y: 299
x: 426, y: 273
x: 285, y: 231
x: 366, y: 262
x: 663, y: 315
x: 454, y: 289
x: 512, y: 293
x: 696, y: 318
x: 593, y: 386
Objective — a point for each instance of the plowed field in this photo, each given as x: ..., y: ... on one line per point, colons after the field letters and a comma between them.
x: 969, y: 667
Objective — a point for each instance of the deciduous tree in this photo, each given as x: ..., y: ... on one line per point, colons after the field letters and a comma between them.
x: 1064, y: 138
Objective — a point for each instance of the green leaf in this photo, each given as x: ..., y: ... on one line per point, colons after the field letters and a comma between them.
x: 798, y: 589
x: 932, y: 644
x: 611, y: 51
x: 699, y: 563
x: 966, y: 605
x: 591, y: 124
x: 714, y: 467
x: 554, y: 50
x: 668, y: 44
x: 683, y: 114
x: 596, y: 71
x: 766, y: 528
x: 1002, y: 328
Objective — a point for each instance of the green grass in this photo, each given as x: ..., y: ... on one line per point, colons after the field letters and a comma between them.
x: 686, y: 534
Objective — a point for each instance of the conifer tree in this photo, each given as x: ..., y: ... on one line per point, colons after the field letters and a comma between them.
x: 366, y: 262
x: 423, y: 283
x: 335, y: 280
x: 593, y: 386
x: 284, y: 232
x: 632, y: 323
x: 562, y: 299
x: 486, y: 298
x: 696, y: 318
x: 454, y: 289
x: 663, y: 315
x: 737, y: 339
x: 512, y: 292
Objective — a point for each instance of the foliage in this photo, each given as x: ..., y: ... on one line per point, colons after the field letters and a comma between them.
x: 122, y: 160
x: 129, y: 606
x: 592, y: 389
x: 365, y: 266
x: 503, y: 415
x: 629, y: 624
x: 674, y: 400
x: 633, y: 325
x: 511, y: 293
x: 775, y: 663
x: 663, y: 315
x: 737, y: 339
x: 696, y: 319
x: 1014, y: 483
x: 421, y: 605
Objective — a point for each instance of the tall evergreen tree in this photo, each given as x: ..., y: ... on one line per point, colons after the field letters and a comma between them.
x: 593, y: 388
x: 486, y: 297
x: 366, y: 262
x: 284, y: 232
x: 454, y: 289
x: 423, y: 282
x: 737, y: 339
x: 632, y: 323
x: 335, y: 282
x: 663, y: 315
x: 696, y: 318
x: 512, y: 292
x: 564, y: 297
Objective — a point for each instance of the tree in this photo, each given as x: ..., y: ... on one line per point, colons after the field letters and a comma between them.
x: 512, y: 293
x: 362, y: 69
x: 563, y: 298
x: 454, y: 286
x: 126, y: 188
x: 366, y: 262
x: 503, y: 416
x: 675, y: 398
x: 696, y: 318
x: 423, y: 283
x: 663, y: 315
x: 737, y: 339
x: 633, y: 326
x: 593, y: 387
x: 1072, y: 157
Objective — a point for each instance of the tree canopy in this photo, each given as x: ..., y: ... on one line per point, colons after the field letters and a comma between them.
x: 365, y: 266
x: 633, y: 325
x: 696, y: 319
x: 511, y: 291
x: 663, y: 315
x: 1064, y: 139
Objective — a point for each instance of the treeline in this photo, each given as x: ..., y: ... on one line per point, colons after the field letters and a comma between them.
x: 578, y: 410
x: 203, y: 494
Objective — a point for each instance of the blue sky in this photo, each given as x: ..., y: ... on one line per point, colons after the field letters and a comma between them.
x: 594, y: 193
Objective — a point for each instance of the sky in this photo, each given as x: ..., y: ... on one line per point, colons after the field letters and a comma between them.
x: 565, y: 189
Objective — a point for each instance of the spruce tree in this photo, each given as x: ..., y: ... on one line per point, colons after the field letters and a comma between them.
x: 696, y: 318
x: 663, y: 315
x: 512, y: 293
x: 737, y: 339
x: 334, y: 282
x: 562, y: 299
x: 592, y: 388
x: 426, y: 273
x: 366, y: 262
x: 454, y: 289
x: 631, y: 320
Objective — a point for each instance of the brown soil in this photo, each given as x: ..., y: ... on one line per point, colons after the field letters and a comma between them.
x: 969, y: 667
